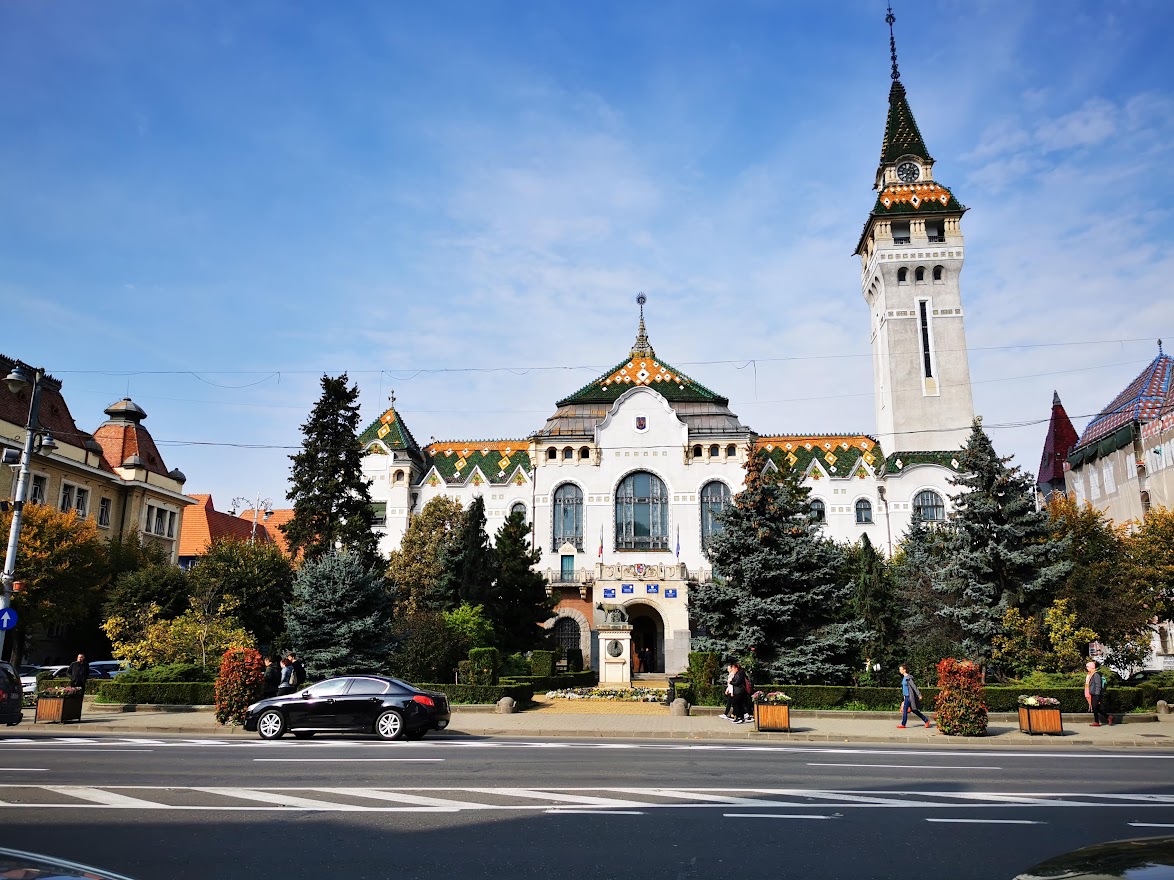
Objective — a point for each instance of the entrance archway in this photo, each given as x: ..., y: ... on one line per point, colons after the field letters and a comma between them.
x: 647, y: 638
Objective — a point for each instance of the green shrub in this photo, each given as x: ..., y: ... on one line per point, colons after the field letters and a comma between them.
x: 587, y: 678
x: 542, y: 663
x: 1037, y: 680
x: 704, y: 672
x: 239, y: 684
x: 960, y: 704
x: 486, y: 662
x: 467, y: 693
x: 92, y: 684
x: 682, y: 689
x: 168, y: 672
x: 465, y: 672
x: 515, y: 665
x: 187, y: 693
x: 574, y: 659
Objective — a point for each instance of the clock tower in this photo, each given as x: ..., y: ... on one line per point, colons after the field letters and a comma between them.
x: 911, y: 253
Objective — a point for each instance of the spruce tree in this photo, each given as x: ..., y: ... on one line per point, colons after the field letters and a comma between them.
x: 519, y: 603
x: 919, y: 574
x: 330, y: 495
x: 781, y: 602
x: 468, y: 566
x: 1003, y: 552
x: 875, y: 604
x: 340, y: 618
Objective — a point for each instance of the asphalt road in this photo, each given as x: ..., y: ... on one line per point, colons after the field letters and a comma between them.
x: 168, y: 808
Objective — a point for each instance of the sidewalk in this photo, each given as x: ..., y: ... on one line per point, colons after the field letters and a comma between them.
x: 590, y: 719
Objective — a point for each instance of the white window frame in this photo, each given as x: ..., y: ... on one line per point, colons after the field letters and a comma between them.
x: 33, y: 478
x: 105, y: 508
x: 68, y: 490
x: 81, y: 499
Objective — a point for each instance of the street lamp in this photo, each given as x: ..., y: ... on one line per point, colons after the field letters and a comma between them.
x: 260, y: 505
x: 36, y: 440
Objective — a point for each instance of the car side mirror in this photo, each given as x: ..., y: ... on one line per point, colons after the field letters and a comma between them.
x: 306, y: 695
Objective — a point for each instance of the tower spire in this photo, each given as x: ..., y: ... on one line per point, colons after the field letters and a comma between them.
x: 642, y: 348
x: 890, y: 18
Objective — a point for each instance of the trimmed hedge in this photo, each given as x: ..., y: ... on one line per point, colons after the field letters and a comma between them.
x: 704, y: 669
x: 574, y: 659
x: 587, y: 678
x: 485, y: 664
x: 468, y: 693
x: 171, y: 693
x: 169, y: 672
x: 542, y: 663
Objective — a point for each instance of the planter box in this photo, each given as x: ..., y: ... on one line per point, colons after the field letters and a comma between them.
x: 58, y: 709
x: 1041, y: 719
x: 772, y: 717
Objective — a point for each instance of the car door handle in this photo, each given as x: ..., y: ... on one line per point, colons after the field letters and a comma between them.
x: 373, y: 699
x: 328, y: 701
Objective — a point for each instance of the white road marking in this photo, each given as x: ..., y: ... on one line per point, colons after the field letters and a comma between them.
x: 1150, y: 825
x: 726, y: 800
x: 560, y: 795
x: 866, y: 800
x: 66, y: 749
x: 563, y: 811
x: 904, y: 766
x: 279, y: 799
x: 989, y: 821
x: 351, y: 760
x: 23, y: 769
x: 440, y: 804
x: 102, y: 797
x: 775, y: 816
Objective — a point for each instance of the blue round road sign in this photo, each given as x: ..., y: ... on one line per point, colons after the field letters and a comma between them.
x: 7, y: 618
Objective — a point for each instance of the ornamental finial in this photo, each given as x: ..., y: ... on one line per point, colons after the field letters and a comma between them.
x: 890, y: 18
x: 642, y: 348
x: 391, y: 398
x: 1160, y: 352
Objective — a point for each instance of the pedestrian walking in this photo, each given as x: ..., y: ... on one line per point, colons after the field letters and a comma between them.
x: 738, y: 692
x: 79, y: 672
x: 728, y: 714
x: 1094, y: 693
x: 299, y: 670
x: 910, y: 698
x: 286, y: 684
x: 272, y: 678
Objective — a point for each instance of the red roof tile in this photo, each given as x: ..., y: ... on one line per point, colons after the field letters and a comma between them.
x: 1146, y: 398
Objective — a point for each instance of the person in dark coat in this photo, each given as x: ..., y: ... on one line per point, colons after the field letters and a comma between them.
x: 299, y: 670
x: 740, y: 692
x: 1094, y: 692
x: 910, y: 698
x: 286, y: 683
x: 79, y: 672
x: 272, y: 679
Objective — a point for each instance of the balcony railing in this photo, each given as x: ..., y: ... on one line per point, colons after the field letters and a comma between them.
x: 901, y: 239
x: 576, y: 577
x: 937, y: 239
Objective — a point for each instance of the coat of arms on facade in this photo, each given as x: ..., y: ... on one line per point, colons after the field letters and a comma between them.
x: 641, y: 423
x: 641, y: 568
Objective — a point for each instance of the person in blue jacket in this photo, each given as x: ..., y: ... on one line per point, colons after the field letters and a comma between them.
x: 911, y: 698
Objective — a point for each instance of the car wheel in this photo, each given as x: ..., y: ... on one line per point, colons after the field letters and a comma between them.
x: 390, y: 725
x: 271, y: 724
x: 415, y: 734
x: 303, y: 734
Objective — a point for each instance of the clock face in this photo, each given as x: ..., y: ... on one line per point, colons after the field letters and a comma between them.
x: 908, y: 172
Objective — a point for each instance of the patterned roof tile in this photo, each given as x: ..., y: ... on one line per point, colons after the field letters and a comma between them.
x: 1146, y: 398
x: 495, y: 461
x: 840, y: 455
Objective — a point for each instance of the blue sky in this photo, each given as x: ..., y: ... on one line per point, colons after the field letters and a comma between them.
x: 209, y: 204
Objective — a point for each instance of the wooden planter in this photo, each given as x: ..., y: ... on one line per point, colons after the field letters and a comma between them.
x: 59, y: 709
x: 774, y: 717
x: 1041, y: 719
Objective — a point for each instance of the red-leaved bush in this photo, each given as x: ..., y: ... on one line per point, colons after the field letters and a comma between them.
x: 960, y: 703
x: 241, y: 678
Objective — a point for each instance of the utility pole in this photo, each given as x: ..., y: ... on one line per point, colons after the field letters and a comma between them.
x: 260, y: 504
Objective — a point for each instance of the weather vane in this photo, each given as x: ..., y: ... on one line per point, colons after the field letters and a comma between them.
x: 391, y: 397
x: 890, y: 18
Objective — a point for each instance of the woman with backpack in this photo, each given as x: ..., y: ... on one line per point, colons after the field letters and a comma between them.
x: 910, y: 698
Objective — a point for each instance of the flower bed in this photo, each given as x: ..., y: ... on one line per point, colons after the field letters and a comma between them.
x: 630, y: 695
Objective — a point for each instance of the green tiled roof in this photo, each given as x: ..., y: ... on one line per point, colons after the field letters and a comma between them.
x: 396, y: 435
x: 498, y: 460
x: 924, y: 206
x: 942, y: 459
x: 608, y: 387
x: 844, y: 462
x: 902, y: 136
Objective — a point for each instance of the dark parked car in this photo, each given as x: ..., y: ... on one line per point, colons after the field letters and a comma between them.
x: 387, y: 707
x: 11, y: 695
x: 1151, y: 858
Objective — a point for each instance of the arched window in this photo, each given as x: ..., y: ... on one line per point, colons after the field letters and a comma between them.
x: 928, y: 506
x: 584, y: 452
x: 715, y: 497
x: 568, y: 453
x: 642, y: 513
x: 568, y: 516
x: 919, y: 273
x: 938, y: 272
x: 552, y: 453
x: 863, y: 511
x: 399, y: 476
x: 902, y: 275
x: 697, y: 451
x: 732, y: 450
x: 567, y: 634
x: 518, y: 507
x: 819, y: 511
x: 715, y: 451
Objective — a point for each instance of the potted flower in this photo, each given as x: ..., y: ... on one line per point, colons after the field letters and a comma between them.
x: 772, y: 711
x: 1040, y: 715
x: 59, y: 704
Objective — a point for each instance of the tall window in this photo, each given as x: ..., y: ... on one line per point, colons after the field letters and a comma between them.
x: 518, y: 507
x: 66, y: 497
x: 39, y: 488
x: 81, y: 501
x: 642, y: 513
x: 928, y: 506
x: 568, y: 516
x: 104, y: 513
x: 923, y: 306
x: 863, y: 511
x: 715, y: 497
x: 819, y: 511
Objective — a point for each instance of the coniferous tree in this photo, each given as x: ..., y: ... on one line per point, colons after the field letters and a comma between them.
x: 330, y: 495
x: 1003, y: 552
x: 415, y: 569
x: 468, y: 566
x: 781, y: 602
x: 919, y: 572
x: 340, y: 618
x: 875, y: 604
x: 519, y: 603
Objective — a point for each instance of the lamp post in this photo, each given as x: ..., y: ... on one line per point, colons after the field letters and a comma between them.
x: 259, y: 505
x: 36, y: 439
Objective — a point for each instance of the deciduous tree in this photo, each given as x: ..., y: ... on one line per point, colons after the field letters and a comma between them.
x: 519, y: 603
x: 415, y: 568
x: 258, y: 578
x: 468, y: 567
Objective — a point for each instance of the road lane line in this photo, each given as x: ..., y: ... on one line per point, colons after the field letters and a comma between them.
x: 65, y: 749
x: 775, y: 816
x: 848, y: 799
x: 725, y: 800
x: 1150, y: 825
x: 439, y: 804
x: 23, y: 769
x: 904, y: 766
x: 279, y: 799
x: 556, y: 811
x: 989, y: 821
x: 105, y: 798
x: 351, y: 760
x: 582, y: 799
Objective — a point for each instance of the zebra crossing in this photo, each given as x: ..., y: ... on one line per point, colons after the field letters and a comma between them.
x: 551, y: 800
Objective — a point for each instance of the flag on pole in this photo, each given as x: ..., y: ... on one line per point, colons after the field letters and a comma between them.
x: 678, y: 542
x: 601, y: 542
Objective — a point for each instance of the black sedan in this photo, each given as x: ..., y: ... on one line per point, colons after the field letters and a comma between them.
x: 387, y: 707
